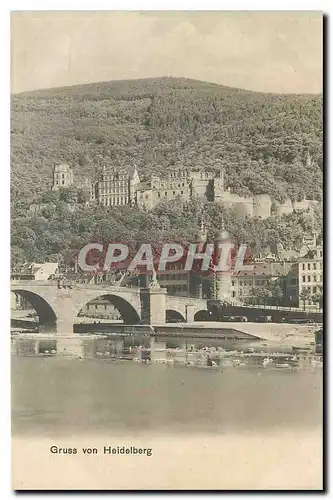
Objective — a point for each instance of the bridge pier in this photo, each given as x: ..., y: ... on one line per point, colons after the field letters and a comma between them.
x: 157, y: 350
x: 64, y: 326
x: 47, y: 328
x: 190, y: 311
x: 181, y: 355
x: 71, y: 345
x: 153, y: 305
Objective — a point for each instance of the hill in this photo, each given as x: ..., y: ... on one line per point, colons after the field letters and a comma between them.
x: 261, y: 139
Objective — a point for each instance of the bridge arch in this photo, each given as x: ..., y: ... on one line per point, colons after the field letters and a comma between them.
x: 202, y: 315
x: 128, y: 312
x: 46, y: 314
x: 173, y: 316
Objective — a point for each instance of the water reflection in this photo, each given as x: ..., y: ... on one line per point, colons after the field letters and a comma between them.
x: 114, y: 390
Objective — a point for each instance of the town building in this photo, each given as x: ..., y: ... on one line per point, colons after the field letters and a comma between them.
x: 263, y: 274
x: 100, y: 308
x: 34, y: 271
x: 310, y: 273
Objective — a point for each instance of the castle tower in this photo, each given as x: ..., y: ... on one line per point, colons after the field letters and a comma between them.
x: 62, y: 177
x: 222, y: 278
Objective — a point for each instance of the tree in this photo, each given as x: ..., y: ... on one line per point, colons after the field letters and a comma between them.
x: 260, y: 295
x: 318, y: 299
x: 50, y: 197
x: 17, y: 256
x: 68, y: 195
x: 304, y: 296
x: 83, y: 196
x: 277, y: 293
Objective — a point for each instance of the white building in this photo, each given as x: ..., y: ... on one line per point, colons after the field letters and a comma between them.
x: 35, y: 271
x: 310, y: 272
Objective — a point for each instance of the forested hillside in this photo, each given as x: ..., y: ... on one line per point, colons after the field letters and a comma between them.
x: 261, y: 139
x: 58, y: 234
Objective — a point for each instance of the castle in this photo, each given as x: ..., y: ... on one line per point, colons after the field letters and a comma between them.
x: 118, y: 187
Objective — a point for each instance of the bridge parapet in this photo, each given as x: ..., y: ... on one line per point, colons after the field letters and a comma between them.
x: 79, y: 286
x: 58, y: 307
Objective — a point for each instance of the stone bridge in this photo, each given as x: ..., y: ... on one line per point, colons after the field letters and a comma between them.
x: 58, y: 307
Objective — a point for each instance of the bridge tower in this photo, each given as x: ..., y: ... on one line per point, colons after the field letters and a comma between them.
x: 196, y: 279
x: 222, y: 278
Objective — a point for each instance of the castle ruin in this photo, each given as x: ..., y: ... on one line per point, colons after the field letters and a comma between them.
x: 119, y: 187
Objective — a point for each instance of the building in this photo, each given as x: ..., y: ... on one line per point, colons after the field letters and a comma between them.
x: 100, y: 308
x: 310, y: 273
x: 120, y: 187
x: 265, y: 274
x: 185, y: 184
x: 201, y: 184
x: 34, y: 271
x: 116, y: 187
x: 62, y: 177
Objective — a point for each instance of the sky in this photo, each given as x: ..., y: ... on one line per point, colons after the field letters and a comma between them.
x: 265, y: 51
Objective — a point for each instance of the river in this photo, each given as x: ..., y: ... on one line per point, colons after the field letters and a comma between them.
x: 56, y: 395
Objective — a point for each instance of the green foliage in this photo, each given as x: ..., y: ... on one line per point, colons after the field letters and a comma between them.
x: 63, y: 228
x: 305, y: 296
x: 318, y: 298
x: 260, y: 139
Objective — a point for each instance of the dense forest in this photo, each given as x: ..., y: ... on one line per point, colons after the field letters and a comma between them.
x: 262, y: 140
x: 61, y: 229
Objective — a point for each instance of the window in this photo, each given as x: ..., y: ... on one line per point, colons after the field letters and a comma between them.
x: 303, y: 267
x: 309, y: 278
x: 96, y: 307
x: 233, y: 282
x: 173, y: 192
x: 314, y: 266
x: 105, y: 307
x: 241, y: 283
x: 303, y: 279
x: 321, y: 253
x: 314, y: 289
x: 314, y: 277
x: 234, y: 293
x: 159, y: 195
x: 165, y: 194
x: 182, y: 192
x: 309, y: 266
